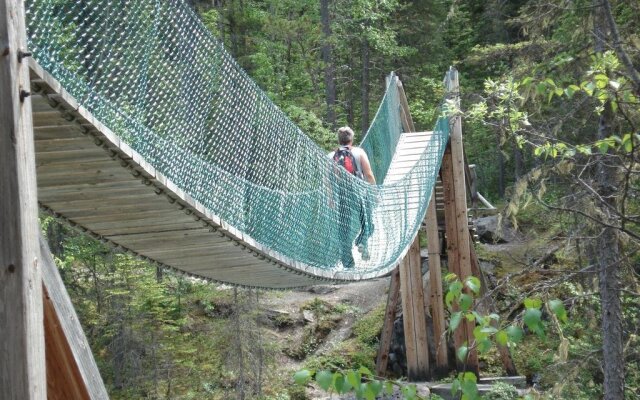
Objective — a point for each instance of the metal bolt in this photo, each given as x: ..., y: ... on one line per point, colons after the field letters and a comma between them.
x: 23, y: 54
x: 23, y: 95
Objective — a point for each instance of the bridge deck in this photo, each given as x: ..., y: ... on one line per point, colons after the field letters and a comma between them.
x: 90, y: 178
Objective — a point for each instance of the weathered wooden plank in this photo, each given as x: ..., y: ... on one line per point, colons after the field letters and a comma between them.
x: 393, y: 295
x: 22, y: 355
x: 71, y: 370
x: 55, y: 132
x: 435, y: 282
x: 415, y: 326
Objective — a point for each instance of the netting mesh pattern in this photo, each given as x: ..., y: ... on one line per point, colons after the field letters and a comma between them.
x: 152, y: 73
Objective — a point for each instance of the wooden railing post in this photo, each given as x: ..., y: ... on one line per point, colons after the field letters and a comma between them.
x: 22, y: 356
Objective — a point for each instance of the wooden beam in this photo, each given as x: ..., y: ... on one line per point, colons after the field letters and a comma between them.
x: 72, y: 373
x: 387, y: 328
x: 457, y: 221
x: 414, y: 322
x: 435, y: 283
x: 22, y: 356
x: 404, y: 105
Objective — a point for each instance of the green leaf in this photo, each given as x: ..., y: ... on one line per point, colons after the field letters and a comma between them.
x: 532, y: 303
x: 588, y: 87
x: 465, y: 302
x: 456, y: 287
x: 455, y: 386
x: 601, y: 81
x: 456, y: 317
x: 462, y: 353
x: 374, y: 387
x: 627, y: 143
x: 502, y: 338
x: 532, y: 317
x: 558, y: 309
x: 354, y: 378
x: 515, y: 334
x: 484, y: 346
x: 473, y: 284
x: 324, y: 379
x: 302, y: 377
x: 449, y: 298
x: 450, y: 277
x: 388, y: 388
x: 365, y: 371
x: 409, y: 392
x: 340, y: 383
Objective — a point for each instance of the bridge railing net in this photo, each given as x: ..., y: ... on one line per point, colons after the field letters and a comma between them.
x: 152, y: 73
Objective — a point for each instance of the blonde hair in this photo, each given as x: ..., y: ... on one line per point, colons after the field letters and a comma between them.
x: 345, y: 135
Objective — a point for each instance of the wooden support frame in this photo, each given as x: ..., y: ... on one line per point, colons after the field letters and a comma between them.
x: 22, y: 348
x: 382, y: 359
x: 436, y: 302
x: 456, y: 220
x: 72, y: 373
x: 413, y: 316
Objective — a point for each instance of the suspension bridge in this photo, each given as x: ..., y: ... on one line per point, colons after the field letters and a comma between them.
x: 148, y: 136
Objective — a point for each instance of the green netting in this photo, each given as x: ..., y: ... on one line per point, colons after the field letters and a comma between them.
x: 152, y: 73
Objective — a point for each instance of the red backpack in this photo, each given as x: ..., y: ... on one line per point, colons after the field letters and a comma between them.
x: 345, y: 158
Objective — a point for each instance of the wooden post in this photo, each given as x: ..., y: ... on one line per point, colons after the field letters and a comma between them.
x: 72, y: 373
x: 387, y: 329
x: 22, y: 356
x: 435, y: 282
x: 407, y: 121
x: 456, y: 220
x: 413, y: 317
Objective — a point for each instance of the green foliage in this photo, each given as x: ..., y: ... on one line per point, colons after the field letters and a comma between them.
x: 361, y: 382
x: 502, y: 391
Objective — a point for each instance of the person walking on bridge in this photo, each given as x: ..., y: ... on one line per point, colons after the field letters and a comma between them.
x: 354, y: 159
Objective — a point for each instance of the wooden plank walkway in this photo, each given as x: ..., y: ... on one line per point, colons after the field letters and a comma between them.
x: 90, y: 178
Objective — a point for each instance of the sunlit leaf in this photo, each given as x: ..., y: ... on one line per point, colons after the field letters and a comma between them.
x: 502, y: 338
x: 324, y: 379
x: 473, y: 283
x: 454, y: 322
x: 558, y: 309
x: 462, y: 353
x: 465, y: 302
x: 302, y: 377
x: 532, y: 303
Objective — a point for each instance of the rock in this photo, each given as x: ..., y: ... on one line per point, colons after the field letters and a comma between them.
x: 279, y: 319
x: 489, y: 231
x: 322, y: 289
x: 308, y: 316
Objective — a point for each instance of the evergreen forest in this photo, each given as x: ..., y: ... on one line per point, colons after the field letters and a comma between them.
x: 551, y: 121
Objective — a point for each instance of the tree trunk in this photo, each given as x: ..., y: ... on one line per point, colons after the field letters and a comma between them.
x: 518, y: 161
x: 607, y: 244
x: 365, y: 85
x: 501, y: 172
x: 329, y: 73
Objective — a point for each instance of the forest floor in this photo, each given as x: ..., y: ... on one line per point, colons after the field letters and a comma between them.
x: 358, y: 299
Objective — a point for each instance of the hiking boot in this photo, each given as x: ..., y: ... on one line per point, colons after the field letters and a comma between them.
x: 365, y: 252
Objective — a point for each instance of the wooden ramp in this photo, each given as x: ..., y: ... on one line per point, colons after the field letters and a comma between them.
x: 91, y: 179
